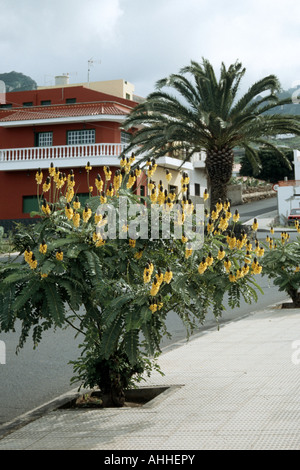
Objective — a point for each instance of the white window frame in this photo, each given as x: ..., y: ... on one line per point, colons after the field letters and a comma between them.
x: 45, y: 139
x: 81, y: 137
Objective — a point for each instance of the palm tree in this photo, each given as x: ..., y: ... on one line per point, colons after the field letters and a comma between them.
x: 206, y: 114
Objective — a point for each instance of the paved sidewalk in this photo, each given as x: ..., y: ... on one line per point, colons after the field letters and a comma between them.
x: 236, y: 388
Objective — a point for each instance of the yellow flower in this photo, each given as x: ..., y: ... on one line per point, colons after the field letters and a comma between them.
x: 132, y: 158
x: 227, y: 264
x: 232, y: 242
x: 232, y: 277
x: 43, y: 275
x: 138, y: 172
x: 59, y: 255
x: 99, y: 183
x: 219, y: 206
x: 153, y: 306
x: 69, y: 194
x: 146, y: 276
x: 248, y: 257
x: 39, y: 176
x: 228, y: 215
x: 139, y: 254
x: 205, y: 195
x: 91, y: 189
x: 43, y: 248
x: 46, y: 185
x: 168, y: 176
x: 33, y: 262
x: 69, y: 211
x: 236, y: 216
x: 297, y: 269
x: 155, y: 287
x: 188, y: 251
x: 103, y: 198
x: 168, y: 276
x: 255, y: 225
x: 245, y: 269
x: 209, y: 259
x: 153, y: 196
x: 214, y: 214
x: 122, y: 162
x: 160, y: 277
x: 71, y: 181
x: 223, y: 225
x: 256, y: 268
x: 100, y: 242
x: 76, y: 203
x: 110, y: 190
x: 184, y: 238
x: 117, y: 180
x: 221, y: 253
x: 272, y: 230
x: 107, y: 173
x: 132, y: 243
x: 28, y: 255
x: 131, y: 180
x: 88, y: 167
x: 202, y: 266
x: 210, y: 226
x: 76, y: 219
x: 51, y: 170
x: 87, y: 213
x: 46, y: 208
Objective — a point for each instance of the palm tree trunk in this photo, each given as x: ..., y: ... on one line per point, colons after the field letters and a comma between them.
x: 219, y: 166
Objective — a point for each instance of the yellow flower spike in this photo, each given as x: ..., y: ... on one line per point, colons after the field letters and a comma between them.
x: 159, y: 276
x: 138, y: 255
x: 232, y: 242
x: 110, y: 190
x: 99, y: 183
x: 248, y: 257
x: 153, y: 196
x: 153, y: 306
x: 221, y: 253
x: 223, y: 225
x: 131, y: 180
x: 43, y: 248
x: 184, y: 238
x: 202, y: 266
x: 44, y: 275
x: 210, y: 226
x: 28, y: 255
x: 33, y: 262
x: 227, y: 264
x: 87, y: 213
x: 103, y: 198
x: 146, y: 276
x: 226, y: 205
x: 69, y: 211
x: 214, y: 214
x: 188, y: 251
x: 219, y: 206
x: 71, y: 181
x: 297, y: 269
x: 168, y: 276
x: 51, y: 170
x: 39, y: 176
x: 168, y: 176
x: 76, y: 203
x: 132, y: 243
x: 249, y: 245
x: 76, y: 219
x: 228, y: 214
x: 59, y: 255
x: 132, y: 158
x: 100, y: 242
x: 47, y: 185
x: 88, y: 167
x: 46, y: 208
x: 255, y: 225
x: 107, y: 173
x: 138, y: 171
x: 245, y: 269
x: 236, y: 216
x: 272, y: 230
x: 209, y: 259
x: 205, y: 195
x: 232, y: 277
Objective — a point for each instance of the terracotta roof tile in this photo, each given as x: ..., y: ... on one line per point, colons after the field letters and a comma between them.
x: 61, y: 111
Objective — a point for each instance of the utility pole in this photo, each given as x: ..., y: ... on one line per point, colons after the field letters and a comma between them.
x: 91, y: 62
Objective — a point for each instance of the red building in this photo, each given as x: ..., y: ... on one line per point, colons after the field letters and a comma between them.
x: 68, y: 127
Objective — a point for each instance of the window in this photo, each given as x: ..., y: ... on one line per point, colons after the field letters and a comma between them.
x: 28, y: 103
x: 128, y: 96
x: 6, y: 105
x: 70, y: 100
x: 44, y: 139
x: 85, y: 136
x: 45, y: 102
x: 125, y: 137
x: 197, y: 189
x: 30, y: 203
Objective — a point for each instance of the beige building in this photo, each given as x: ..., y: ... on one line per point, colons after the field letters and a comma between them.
x: 120, y: 88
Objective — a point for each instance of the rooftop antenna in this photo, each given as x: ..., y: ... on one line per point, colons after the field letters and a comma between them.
x: 91, y: 62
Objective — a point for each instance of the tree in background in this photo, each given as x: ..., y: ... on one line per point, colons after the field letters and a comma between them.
x: 204, y: 112
x: 273, y: 167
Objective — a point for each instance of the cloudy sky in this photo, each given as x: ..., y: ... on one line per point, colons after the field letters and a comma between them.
x: 142, y: 41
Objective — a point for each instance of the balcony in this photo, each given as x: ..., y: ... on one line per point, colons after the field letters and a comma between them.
x: 62, y: 156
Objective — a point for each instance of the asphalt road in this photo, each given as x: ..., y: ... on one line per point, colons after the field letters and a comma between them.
x: 34, y: 377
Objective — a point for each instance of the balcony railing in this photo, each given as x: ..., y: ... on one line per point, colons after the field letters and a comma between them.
x: 60, y: 152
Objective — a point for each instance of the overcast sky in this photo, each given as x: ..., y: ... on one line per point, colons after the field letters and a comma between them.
x: 142, y: 41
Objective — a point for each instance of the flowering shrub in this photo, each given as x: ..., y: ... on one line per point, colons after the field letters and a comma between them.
x: 116, y: 292
x: 281, y: 262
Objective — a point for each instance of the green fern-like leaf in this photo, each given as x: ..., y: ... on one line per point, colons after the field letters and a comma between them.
x: 54, y: 302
